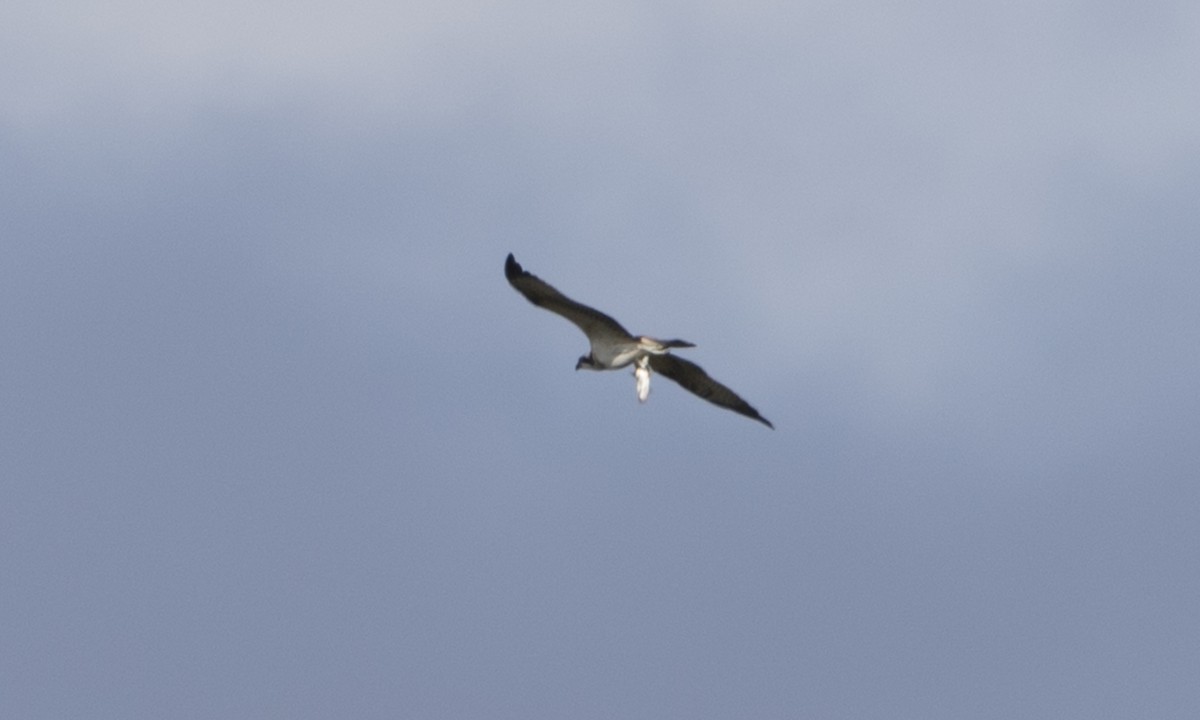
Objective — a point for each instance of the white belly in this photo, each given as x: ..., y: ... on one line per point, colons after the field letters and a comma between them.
x: 616, y: 356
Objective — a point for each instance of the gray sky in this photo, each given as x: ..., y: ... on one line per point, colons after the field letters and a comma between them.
x: 280, y: 441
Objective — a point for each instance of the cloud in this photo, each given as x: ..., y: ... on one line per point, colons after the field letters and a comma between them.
x: 261, y: 345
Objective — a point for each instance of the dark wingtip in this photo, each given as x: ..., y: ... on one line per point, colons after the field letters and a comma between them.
x: 512, y: 268
x: 753, y: 415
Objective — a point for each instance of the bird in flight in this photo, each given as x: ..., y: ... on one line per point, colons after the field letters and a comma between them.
x: 613, y: 347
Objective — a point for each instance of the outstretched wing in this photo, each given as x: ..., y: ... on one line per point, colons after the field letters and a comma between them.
x: 693, y: 378
x: 592, y: 322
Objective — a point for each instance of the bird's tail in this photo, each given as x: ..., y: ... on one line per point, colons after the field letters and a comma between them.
x: 654, y: 346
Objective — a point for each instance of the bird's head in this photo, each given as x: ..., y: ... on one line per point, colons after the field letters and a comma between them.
x: 585, y: 361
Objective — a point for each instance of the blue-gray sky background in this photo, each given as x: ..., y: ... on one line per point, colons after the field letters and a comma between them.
x: 279, y: 440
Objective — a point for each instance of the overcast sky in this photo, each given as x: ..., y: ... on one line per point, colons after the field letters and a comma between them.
x: 278, y: 439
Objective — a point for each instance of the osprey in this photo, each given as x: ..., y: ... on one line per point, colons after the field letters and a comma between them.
x: 613, y: 347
